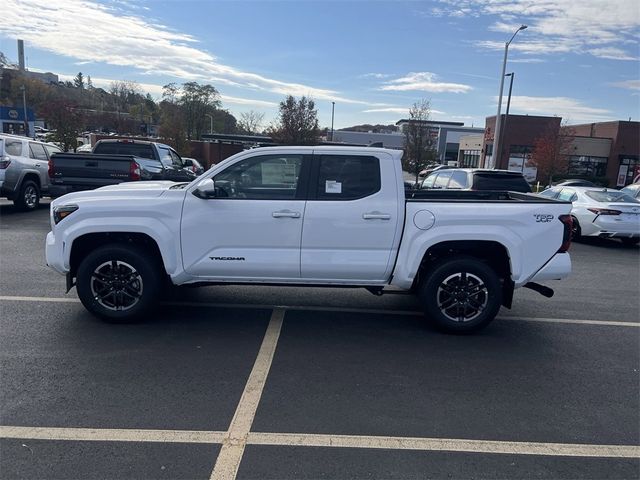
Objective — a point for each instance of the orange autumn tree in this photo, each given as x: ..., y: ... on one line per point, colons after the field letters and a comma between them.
x: 551, y: 152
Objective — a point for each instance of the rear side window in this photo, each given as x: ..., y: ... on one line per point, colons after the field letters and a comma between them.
x: 13, y: 147
x: 458, y: 180
x: 442, y: 180
x: 610, y: 196
x: 550, y: 193
x: 500, y: 181
x: 37, y: 151
x: 165, y: 157
x: 120, y: 148
x: 347, y: 177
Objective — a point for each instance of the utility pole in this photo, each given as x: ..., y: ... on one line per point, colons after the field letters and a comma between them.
x: 24, y: 107
x: 333, y: 106
x: 210, y: 122
x: 506, y: 114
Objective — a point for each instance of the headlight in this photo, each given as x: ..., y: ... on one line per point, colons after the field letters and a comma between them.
x: 63, y: 211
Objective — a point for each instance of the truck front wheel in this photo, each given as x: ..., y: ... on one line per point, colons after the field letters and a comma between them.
x: 119, y: 283
x: 461, y: 295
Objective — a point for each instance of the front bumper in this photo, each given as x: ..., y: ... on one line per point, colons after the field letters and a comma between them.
x: 558, y: 268
x: 54, y: 252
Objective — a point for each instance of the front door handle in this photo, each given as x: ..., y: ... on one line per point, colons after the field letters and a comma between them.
x: 286, y: 214
x: 37, y: 164
x: 376, y: 216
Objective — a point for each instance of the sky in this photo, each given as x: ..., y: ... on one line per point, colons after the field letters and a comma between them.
x: 578, y: 59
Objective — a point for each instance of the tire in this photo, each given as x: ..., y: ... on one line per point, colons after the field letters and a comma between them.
x: 576, y: 231
x: 629, y: 242
x: 135, y: 276
x: 438, y: 295
x: 28, y: 197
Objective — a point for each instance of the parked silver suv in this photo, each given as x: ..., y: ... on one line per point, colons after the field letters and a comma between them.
x: 24, y: 164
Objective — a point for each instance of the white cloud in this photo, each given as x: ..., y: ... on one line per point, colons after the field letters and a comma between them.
x: 527, y: 60
x: 89, y: 31
x: 611, y: 53
x: 424, y: 82
x: 597, y: 27
x: 398, y: 110
x: 628, y: 84
x: 375, y: 75
x: 569, y: 109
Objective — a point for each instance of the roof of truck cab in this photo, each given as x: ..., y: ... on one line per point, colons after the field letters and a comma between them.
x: 333, y: 149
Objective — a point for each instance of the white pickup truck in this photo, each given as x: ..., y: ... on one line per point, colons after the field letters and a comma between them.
x: 309, y: 216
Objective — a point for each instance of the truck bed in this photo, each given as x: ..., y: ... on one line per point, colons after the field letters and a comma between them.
x: 475, y: 196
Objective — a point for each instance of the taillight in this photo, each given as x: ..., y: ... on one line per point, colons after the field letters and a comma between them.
x: 134, y: 171
x: 604, y: 211
x: 567, y: 221
x: 51, y: 168
x: 4, y: 162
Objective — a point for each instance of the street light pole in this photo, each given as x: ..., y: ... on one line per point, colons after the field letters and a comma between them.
x: 333, y: 106
x: 496, y: 142
x: 506, y: 113
x: 24, y: 107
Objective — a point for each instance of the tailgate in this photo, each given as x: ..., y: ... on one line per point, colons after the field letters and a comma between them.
x: 70, y: 169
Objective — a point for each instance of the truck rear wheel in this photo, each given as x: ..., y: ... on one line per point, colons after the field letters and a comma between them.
x: 461, y: 295
x: 28, y: 197
x: 119, y: 283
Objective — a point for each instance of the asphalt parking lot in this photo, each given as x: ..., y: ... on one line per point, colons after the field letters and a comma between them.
x: 266, y: 382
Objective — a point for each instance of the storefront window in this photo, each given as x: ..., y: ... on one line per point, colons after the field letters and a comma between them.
x: 470, y: 158
x: 587, y: 166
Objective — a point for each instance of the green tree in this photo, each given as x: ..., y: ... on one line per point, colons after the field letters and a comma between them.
x: 78, y: 81
x: 197, y: 101
x: 418, y: 149
x: 172, y: 118
x: 297, y: 122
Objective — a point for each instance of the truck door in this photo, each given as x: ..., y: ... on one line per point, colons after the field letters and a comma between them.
x: 352, y: 217
x: 252, y: 228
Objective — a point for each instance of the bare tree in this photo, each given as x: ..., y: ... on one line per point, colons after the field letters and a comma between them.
x: 551, y: 152
x: 250, y: 122
x: 418, y: 149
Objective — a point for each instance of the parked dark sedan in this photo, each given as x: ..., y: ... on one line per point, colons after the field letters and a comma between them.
x: 476, y: 179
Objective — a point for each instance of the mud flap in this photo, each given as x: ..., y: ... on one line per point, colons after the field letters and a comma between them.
x: 70, y: 282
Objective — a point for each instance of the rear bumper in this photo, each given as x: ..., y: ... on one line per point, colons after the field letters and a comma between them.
x: 606, y: 234
x: 557, y: 268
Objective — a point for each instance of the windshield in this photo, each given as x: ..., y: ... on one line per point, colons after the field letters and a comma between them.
x: 610, y: 196
x: 500, y: 181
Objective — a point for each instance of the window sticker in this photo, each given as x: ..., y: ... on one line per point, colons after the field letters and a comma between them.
x: 331, y: 186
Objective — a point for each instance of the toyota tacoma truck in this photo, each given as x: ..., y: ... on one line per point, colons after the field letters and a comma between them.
x: 309, y: 216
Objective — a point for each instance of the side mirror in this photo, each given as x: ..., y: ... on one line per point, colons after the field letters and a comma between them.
x: 186, y: 163
x: 205, y: 189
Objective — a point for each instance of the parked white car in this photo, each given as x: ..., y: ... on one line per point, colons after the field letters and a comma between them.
x: 601, y: 212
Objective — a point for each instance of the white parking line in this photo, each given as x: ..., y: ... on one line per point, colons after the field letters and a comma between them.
x: 569, y: 321
x: 444, y: 444
x: 317, y: 440
x: 226, y: 466
x: 112, y: 434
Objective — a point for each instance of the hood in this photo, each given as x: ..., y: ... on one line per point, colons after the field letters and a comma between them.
x: 124, y: 190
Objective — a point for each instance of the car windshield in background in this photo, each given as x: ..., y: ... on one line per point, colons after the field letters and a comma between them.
x: 611, y: 197
x: 135, y: 149
x: 497, y: 181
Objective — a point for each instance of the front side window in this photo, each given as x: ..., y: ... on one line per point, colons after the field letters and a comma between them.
x: 458, y: 180
x: 175, y: 158
x: 442, y: 180
x: 428, y: 182
x: 165, y: 157
x: 347, y: 177
x: 52, y: 149
x: 37, y: 151
x: 567, y: 195
x: 550, y: 193
x: 266, y: 177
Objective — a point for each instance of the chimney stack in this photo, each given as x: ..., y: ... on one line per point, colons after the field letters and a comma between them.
x: 21, y: 55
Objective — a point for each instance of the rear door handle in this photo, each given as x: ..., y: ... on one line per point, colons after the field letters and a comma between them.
x: 37, y: 164
x: 376, y: 216
x: 285, y: 214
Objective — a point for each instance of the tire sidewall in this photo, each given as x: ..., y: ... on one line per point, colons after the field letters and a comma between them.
x: 20, y: 199
x: 137, y: 258
x: 445, y: 268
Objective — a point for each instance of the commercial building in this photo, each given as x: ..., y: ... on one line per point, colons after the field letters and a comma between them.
x: 12, y: 120
x: 387, y: 140
x: 470, y: 150
x: 445, y: 137
x: 607, y: 152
